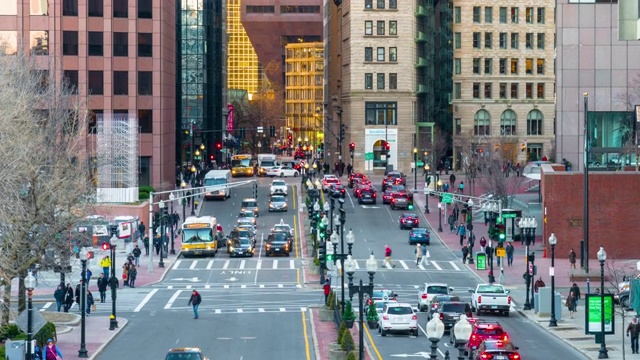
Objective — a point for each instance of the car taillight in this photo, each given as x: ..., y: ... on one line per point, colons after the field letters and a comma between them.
x: 385, y: 317
x: 479, y: 299
x: 509, y: 300
x: 414, y: 317
x: 404, y: 220
x: 505, y: 337
x: 473, y: 338
x: 424, y: 296
x: 416, y: 221
x: 514, y: 356
x: 441, y: 316
x: 486, y: 356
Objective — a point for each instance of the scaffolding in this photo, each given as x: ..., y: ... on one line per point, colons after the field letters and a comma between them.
x: 117, y: 158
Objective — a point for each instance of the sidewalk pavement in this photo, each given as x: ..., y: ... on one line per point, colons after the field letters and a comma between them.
x: 569, y: 330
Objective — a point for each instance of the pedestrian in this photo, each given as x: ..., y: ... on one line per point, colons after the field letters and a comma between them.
x: 418, y: 254
x: 575, y: 290
x: 425, y: 255
x: 465, y: 253
x: 452, y: 180
x: 89, y: 274
x: 571, y: 305
x: 188, y: 198
x: 452, y: 222
x: 462, y: 232
x: 349, y: 169
x: 461, y: 187
x: 68, y: 298
x: 125, y: 274
x: 145, y: 242
x: 538, y: 284
x: 141, y: 229
x: 634, y: 330
x: 59, y: 296
x: 572, y: 259
x: 102, y: 287
x: 77, y: 294
x: 37, y: 353
x: 483, y: 243
x: 509, y: 250
x: 133, y: 273
x: 157, y: 244
x: 51, y: 351
x: 136, y: 255
x: 105, y: 264
x: 89, y: 302
x: 195, y: 300
x: 131, y: 260
x: 387, y: 257
x: 327, y: 290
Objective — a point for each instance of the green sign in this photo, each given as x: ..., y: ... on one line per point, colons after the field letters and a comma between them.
x: 593, y: 316
x: 447, y: 198
x: 508, y: 215
x: 420, y: 163
x: 368, y: 156
x: 481, y: 261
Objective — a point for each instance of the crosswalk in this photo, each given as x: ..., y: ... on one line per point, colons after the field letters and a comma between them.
x: 291, y: 264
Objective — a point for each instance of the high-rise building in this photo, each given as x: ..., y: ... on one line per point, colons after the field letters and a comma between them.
x: 119, y: 55
x: 503, y: 78
x: 242, y: 61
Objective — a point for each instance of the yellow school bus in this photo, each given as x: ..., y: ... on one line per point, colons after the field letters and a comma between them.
x: 241, y: 165
x: 200, y: 236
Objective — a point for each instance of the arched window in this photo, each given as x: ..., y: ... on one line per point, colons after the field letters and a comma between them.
x: 481, y: 123
x: 508, y: 122
x: 534, y: 122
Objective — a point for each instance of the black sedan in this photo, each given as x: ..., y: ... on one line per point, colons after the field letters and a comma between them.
x: 409, y: 221
x: 338, y: 191
x: 419, y: 236
x: 368, y: 195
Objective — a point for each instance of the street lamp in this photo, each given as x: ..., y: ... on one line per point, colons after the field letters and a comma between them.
x: 470, y: 228
x: 440, y: 209
x: 113, y: 320
x: 183, y: 185
x: 526, y: 224
x: 553, y: 240
x: 462, y: 331
x: 350, y: 268
x: 30, y: 283
x: 602, y: 256
x: 350, y: 240
x: 84, y: 256
x: 427, y: 180
x: 415, y: 168
x: 162, y: 207
x: 435, y: 330
x: 171, y: 198
x: 371, y: 266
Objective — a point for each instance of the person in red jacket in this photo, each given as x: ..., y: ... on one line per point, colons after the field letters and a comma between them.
x: 327, y: 290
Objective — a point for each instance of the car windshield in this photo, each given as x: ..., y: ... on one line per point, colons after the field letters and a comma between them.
x: 380, y: 294
x: 281, y: 228
x: 183, y: 356
x: 278, y: 237
x: 454, y: 308
x: 413, y: 216
x: 240, y: 233
x: 437, y: 289
x: 194, y: 236
x: 399, y: 310
x: 499, y: 345
x: 490, y: 289
x: 249, y: 204
x: 420, y: 231
x: 489, y: 331
x: 245, y: 241
x: 278, y: 183
x: 277, y: 199
x: 397, y: 188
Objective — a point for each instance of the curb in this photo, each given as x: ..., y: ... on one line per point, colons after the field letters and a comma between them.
x: 314, y: 336
x: 115, y: 333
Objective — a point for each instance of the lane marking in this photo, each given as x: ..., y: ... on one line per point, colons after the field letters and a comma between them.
x: 210, y: 265
x: 283, y: 310
x: 46, y: 306
x: 304, y: 333
x: 259, y: 265
x: 296, y: 236
x: 218, y: 311
x: 226, y: 286
x: 435, y: 265
x: 145, y: 300
x: 242, y: 264
x: 454, y: 265
x: 261, y: 310
x: 207, y: 286
x: 172, y: 299
x: 239, y: 311
x: 177, y: 264
x: 261, y: 286
x: 280, y: 285
x: 421, y: 267
x: 193, y: 264
x: 404, y: 265
x: 170, y: 287
x: 243, y: 286
x: 226, y: 265
x: 292, y: 264
x: 275, y: 264
x: 357, y: 265
x: 373, y: 345
x: 188, y: 286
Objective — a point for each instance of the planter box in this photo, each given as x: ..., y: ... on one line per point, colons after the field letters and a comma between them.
x: 326, y: 314
x: 336, y: 352
x: 349, y: 323
x: 372, y: 324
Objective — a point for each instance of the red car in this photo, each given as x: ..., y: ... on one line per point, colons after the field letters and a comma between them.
x: 485, y: 331
x: 394, y: 178
x: 496, y: 349
x: 354, y: 176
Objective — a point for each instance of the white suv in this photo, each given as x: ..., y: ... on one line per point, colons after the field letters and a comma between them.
x: 398, y: 317
x: 428, y: 291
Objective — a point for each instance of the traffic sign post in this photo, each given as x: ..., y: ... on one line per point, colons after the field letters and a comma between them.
x: 501, y: 252
x: 447, y: 198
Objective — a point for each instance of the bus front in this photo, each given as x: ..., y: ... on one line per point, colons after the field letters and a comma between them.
x: 241, y: 165
x: 198, y: 239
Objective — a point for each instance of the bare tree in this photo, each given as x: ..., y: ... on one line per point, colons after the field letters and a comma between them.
x: 260, y: 111
x: 618, y: 273
x: 439, y: 147
x: 44, y: 179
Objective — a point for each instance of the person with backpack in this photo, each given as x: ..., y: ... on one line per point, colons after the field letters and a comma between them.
x: 462, y: 232
x: 133, y: 273
x: 195, y: 301
x: 136, y: 255
x: 387, y: 257
x: 103, y: 282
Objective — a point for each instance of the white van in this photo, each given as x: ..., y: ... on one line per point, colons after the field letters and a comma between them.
x: 216, y: 184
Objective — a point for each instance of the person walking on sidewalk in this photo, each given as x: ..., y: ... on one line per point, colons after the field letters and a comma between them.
x: 105, y: 264
x: 572, y: 259
x: 509, y: 250
x: 102, y: 287
x: 633, y: 330
x: 452, y: 221
x: 89, y: 302
x: 68, y: 298
x: 462, y: 232
x: 133, y: 273
x: 418, y: 252
x: 461, y: 187
x: 51, y: 351
x: 195, y: 301
x: 571, y: 304
x: 387, y: 257
x: 125, y: 274
x: 327, y: 289
x: 59, y: 296
x: 452, y: 180
x: 575, y: 290
x: 136, y: 255
x: 141, y: 230
x: 465, y: 253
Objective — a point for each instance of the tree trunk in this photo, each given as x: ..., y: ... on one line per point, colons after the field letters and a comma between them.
x: 22, y: 301
x: 6, y: 308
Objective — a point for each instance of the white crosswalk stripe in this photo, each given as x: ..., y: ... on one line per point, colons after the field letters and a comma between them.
x: 435, y: 265
x: 404, y: 264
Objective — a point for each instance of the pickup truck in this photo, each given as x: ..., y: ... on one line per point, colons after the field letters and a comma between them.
x: 490, y: 298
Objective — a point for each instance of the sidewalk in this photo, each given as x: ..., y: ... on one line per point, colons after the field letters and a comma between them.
x: 569, y: 330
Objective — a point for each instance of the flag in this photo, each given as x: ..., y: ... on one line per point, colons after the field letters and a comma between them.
x: 124, y: 230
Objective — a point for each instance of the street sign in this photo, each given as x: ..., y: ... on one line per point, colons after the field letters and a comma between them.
x: 368, y: 156
x: 509, y: 215
x: 593, y: 314
x: 420, y: 163
x: 260, y: 129
x: 501, y: 252
x: 447, y: 198
x: 481, y: 261
x: 37, y: 321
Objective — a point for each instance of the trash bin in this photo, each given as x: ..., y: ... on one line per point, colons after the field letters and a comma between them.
x: 481, y: 261
x: 14, y: 350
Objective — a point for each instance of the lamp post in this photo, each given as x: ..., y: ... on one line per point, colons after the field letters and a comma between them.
x: 82, y: 353
x: 462, y: 330
x: 525, y: 224
x: 470, y: 228
x: 371, y: 266
x: 415, y: 168
x: 30, y: 283
x: 113, y: 320
x: 351, y: 239
x: 427, y: 181
x: 184, y: 200
x: 585, y: 223
x: 440, y: 209
x: 435, y: 330
x: 171, y: 198
x: 552, y: 241
x: 193, y: 197
x: 602, y: 256
x: 162, y: 207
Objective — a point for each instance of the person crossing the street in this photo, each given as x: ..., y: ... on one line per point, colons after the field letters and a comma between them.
x: 195, y: 301
x: 387, y: 257
x: 418, y: 254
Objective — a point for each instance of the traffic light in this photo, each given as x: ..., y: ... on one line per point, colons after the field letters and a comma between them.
x: 523, y: 147
x: 105, y: 246
x: 342, y: 132
x: 352, y: 147
x: 290, y: 138
x: 329, y: 258
x: 387, y: 147
x: 322, y: 256
x: 272, y: 131
x: 218, y: 145
x: 501, y: 232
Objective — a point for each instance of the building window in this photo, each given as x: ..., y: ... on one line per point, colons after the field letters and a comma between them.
x: 476, y: 14
x: 487, y: 91
x: 540, y: 88
x: 120, y: 83
x: 380, y: 28
x: 534, y: 122
x: 145, y: 121
x: 508, y: 122
x: 540, y: 15
x: 393, y: 81
x: 380, y: 56
x: 96, y: 8
x: 503, y: 40
x: 476, y: 90
x: 488, y: 15
x: 476, y: 40
x: 145, y: 45
x: 368, y: 54
x: 38, y: 7
x: 457, y: 39
x: 380, y: 81
x: 70, y: 7
x: 457, y: 90
x: 514, y: 90
x: 457, y: 14
x: 368, y: 4
x: 476, y: 66
x: 529, y: 15
x: 96, y: 82
x: 488, y: 40
x: 488, y: 65
x: 393, y: 4
x: 145, y: 83
x: 528, y: 91
x: 368, y: 81
x: 514, y: 41
x: 458, y: 126
x: 528, y: 66
x: 95, y: 43
x: 381, y: 113
x: 69, y: 43
x: 481, y: 123
x: 299, y: 9
x: 393, y: 54
x: 145, y: 9
x: 368, y: 27
x: 120, y: 8
x: 393, y: 27
x: 514, y: 15
x: 541, y: 41
x: 92, y: 124
x: 503, y: 66
x: 514, y: 66
x: 380, y: 4
x: 39, y: 42
x: 457, y: 66
x: 529, y: 41
x: 503, y: 15
x: 503, y: 90
x: 71, y: 78
x: 540, y: 63
x: 120, y: 44
x: 259, y: 9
